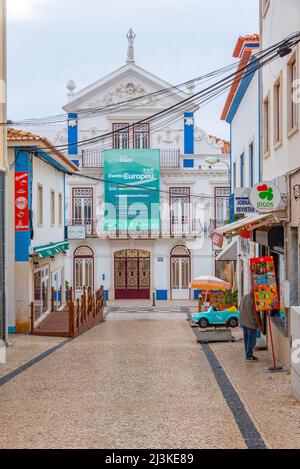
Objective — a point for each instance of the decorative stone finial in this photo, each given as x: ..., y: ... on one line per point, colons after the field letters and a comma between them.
x: 71, y: 86
x: 130, y: 54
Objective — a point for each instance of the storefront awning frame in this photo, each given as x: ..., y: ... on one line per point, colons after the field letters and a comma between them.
x: 51, y: 249
x: 250, y: 223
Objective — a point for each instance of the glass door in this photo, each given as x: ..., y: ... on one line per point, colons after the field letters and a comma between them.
x: 180, y: 273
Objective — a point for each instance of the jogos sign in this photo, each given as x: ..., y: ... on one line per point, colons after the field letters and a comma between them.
x: 265, y: 197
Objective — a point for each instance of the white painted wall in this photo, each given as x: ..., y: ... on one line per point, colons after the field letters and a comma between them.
x: 281, y: 20
x: 50, y: 179
x: 244, y: 131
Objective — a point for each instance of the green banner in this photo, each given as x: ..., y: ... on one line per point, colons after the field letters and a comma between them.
x: 132, y: 190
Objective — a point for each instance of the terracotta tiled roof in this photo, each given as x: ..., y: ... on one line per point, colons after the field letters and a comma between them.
x: 226, y: 144
x: 16, y: 135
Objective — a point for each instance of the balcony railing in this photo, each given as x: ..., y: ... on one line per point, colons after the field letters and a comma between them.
x: 94, y: 158
x: 216, y: 223
x: 172, y: 228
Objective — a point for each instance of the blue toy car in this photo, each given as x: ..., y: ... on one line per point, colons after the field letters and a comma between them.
x: 228, y: 317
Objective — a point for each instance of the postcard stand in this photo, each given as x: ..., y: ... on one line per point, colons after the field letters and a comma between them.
x: 266, y: 298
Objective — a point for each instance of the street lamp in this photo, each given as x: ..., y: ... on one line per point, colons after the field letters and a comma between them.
x: 212, y: 161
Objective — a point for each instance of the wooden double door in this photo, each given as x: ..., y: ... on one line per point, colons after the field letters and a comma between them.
x: 132, y: 275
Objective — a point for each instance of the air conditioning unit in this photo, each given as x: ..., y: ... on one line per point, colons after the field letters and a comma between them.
x: 295, y: 361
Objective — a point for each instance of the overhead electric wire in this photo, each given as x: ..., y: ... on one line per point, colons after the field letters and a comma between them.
x: 116, y: 106
x: 194, y: 99
x: 209, y: 94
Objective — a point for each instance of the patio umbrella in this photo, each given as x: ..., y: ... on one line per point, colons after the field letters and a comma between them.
x: 209, y: 283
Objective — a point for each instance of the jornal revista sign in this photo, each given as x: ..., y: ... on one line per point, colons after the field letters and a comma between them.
x: 265, y: 197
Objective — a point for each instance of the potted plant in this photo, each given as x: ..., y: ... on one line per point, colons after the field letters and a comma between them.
x: 230, y: 299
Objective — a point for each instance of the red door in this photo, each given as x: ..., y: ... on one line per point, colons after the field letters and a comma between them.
x: 132, y: 275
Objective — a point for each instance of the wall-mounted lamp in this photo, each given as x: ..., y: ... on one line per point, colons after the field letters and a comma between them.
x: 36, y: 264
x: 52, y: 258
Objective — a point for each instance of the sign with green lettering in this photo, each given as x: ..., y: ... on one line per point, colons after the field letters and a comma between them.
x: 132, y: 190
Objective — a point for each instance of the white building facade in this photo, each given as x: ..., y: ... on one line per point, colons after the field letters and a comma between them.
x: 280, y: 156
x: 242, y: 112
x: 192, y: 195
x: 37, y: 244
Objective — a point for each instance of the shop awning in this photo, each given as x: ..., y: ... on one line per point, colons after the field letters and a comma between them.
x: 51, y: 249
x: 229, y: 253
x: 250, y: 223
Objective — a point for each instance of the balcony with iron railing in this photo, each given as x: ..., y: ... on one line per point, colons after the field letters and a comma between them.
x: 170, y: 228
x: 94, y: 158
x: 216, y: 223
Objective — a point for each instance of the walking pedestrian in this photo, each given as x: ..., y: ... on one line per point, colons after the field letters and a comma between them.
x: 250, y: 322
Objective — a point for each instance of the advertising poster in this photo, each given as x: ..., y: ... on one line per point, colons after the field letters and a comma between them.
x: 264, y: 283
x: 132, y: 190
x: 21, y: 202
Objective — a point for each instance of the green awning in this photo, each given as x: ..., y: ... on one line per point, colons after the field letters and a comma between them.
x: 51, y: 249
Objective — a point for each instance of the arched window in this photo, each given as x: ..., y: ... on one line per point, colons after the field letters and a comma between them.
x: 83, y: 268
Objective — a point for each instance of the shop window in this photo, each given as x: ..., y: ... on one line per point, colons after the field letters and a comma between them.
x: 41, y: 292
x: 57, y: 283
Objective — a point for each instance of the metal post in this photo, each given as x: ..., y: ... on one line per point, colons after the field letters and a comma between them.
x: 153, y: 300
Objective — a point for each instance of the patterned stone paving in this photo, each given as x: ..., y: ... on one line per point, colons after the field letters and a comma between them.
x: 140, y: 380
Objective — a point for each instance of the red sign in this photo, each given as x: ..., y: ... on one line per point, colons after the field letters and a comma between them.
x: 218, y: 240
x: 264, y: 283
x: 21, y: 202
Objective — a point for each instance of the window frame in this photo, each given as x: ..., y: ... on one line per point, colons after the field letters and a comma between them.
x: 292, y: 108
x: 242, y: 169
x: 40, y: 205
x: 60, y: 209
x: 266, y: 126
x: 251, y: 163
x: 120, y: 132
x: 146, y: 132
x: 265, y: 4
x: 52, y: 208
x: 277, y: 112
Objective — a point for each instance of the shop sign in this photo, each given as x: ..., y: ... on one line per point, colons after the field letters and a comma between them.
x: 76, y: 232
x: 242, y: 204
x: 264, y: 283
x: 265, y: 197
x: 217, y: 240
x: 21, y: 201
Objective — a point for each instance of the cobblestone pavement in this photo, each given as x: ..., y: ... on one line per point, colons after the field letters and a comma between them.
x: 140, y: 380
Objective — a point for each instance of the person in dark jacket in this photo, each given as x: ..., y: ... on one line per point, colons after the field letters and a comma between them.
x: 250, y: 322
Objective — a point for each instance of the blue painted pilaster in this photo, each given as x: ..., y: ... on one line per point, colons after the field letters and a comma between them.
x: 189, y: 127
x: 73, y: 137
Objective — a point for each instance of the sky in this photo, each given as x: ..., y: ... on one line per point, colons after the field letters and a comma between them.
x: 53, y: 41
